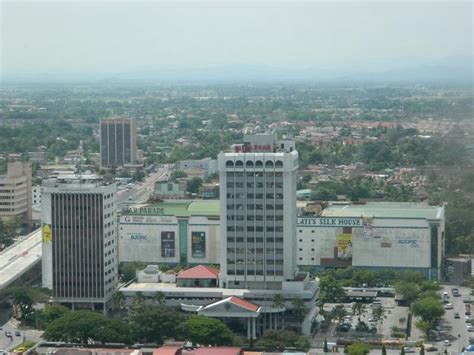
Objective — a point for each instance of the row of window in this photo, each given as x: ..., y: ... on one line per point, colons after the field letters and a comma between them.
x: 253, y: 174
x: 255, y: 272
x: 258, y: 206
x: 270, y: 217
x: 255, y: 196
x: 254, y: 229
x: 250, y: 163
x: 252, y: 185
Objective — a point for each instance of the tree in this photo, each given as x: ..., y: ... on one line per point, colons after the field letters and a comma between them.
x: 358, y: 349
x: 50, y: 313
x: 330, y: 290
x: 408, y: 290
x: 194, y: 185
x: 178, y: 174
x: 339, y: 312
x: 424, y: 326
x: 278, y: 302
x: 402, y: 352
x: 24, y: 297
x: 359, y: 309
x: 279, y: 340
x: 428, y: 309
x: 299, y: 309
x: 118, y: 300
x: 128, y: 271
x: 154, y: 324
x: 83, y: 326
x: 208, y: 331
x: 159, y: 298
x: 384, y: 350
x: 422, y: 350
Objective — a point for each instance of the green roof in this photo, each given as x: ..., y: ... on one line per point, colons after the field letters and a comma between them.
x: 189, y: 207
x: 385, y: 210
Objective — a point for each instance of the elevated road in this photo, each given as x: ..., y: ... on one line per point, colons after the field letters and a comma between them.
x: 19, y: 258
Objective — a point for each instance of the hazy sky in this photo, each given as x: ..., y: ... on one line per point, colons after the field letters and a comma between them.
x: 114, y: 36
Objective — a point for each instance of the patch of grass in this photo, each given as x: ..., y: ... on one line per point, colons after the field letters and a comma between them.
x: 25, y: 344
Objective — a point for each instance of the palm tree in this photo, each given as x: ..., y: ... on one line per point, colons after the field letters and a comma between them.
x: 299, y: 309
x: 359, y: 309
x: 422, y: 350
x: 384, y: 350
x: 277, y: 302
x: 138, y: 299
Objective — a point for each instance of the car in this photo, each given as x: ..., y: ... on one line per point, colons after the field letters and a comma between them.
x: 8, y: 334
x: 17, y: 333
x: 467, y: 313
x: 446, y: 343
x: 468, y: 319
x: 456, y: 315
x: 470, y: 328
x: 408, y: 350
x: 448, y: 306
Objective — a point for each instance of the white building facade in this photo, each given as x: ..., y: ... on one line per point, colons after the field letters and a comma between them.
x: 258, y: 213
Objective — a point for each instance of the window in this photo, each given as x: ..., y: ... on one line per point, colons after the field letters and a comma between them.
x: 278, y: 164
x: 347, y: 230
x: 229, y: 163
x: 258, y: 163
x: 239, y: 163
x: 249, y: 163
x: 269, y: 164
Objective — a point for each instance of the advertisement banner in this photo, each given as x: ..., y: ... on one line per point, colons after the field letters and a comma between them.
x: 367, y: 223
x: 47, y: 234
x: 198, y: 244
x: 167, y: 244
x: 344, y: 246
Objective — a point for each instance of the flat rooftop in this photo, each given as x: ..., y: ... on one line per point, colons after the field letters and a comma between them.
x: 189, y: 207
x: 384, y: 210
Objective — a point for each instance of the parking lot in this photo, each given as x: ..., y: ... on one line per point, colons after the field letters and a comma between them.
x: 451, y: 329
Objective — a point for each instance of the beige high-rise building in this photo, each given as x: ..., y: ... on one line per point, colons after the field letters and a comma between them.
x: 16, y: 191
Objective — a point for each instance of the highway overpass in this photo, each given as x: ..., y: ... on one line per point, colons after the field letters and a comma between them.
x: 19, y: 258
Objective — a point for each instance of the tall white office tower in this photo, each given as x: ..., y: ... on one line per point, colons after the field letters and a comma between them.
x: 79, y: 222
x: 258, y: 213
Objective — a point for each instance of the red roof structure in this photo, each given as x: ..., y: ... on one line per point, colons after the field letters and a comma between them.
x: 167, y: 350
x: 199, y: 272
x: 213, y: 351
x: 244, y: 304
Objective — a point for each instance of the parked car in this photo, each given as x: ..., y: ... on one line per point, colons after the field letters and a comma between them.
x: 17, y: 333
x: 448, y: 306
x: 446, y: 343
x: 408, y: 350
x: 470, y: 328
x: 456, y: 315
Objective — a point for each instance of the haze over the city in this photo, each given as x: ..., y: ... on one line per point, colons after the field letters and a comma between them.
x: 229, y: 39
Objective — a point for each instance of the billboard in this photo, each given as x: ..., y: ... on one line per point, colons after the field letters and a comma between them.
x: 47, y: 234
x: 167, y: 244
x: 198, y: 244
x: 344, y: 246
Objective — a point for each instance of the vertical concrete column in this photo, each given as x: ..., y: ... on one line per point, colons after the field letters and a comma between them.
x: 254, y: 328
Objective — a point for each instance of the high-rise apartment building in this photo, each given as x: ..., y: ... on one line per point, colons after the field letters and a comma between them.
x: 79, y: 222
x: 118, y: 142
x: 258, y: 213
x: 15, y: 191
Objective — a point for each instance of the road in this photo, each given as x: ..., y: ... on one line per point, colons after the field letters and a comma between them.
x: 451, y: 327
x: 142, y: 191
x: 7, y: 344
x: 20, y: 257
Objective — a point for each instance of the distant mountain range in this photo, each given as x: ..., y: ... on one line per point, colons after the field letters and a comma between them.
x: 453, y: 69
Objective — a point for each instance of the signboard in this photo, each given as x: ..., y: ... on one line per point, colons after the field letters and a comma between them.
x: 330, y: 222
x: 344, y: 246
x: 367, y: 223
x: 152, y: 211
x: 138, y: 237
x: 47, y: 234
x: 385, y: 242
x: 198, y: 244
x: 167, y: 244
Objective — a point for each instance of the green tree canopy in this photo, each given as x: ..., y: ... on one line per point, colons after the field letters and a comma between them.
x: 208, y: 331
